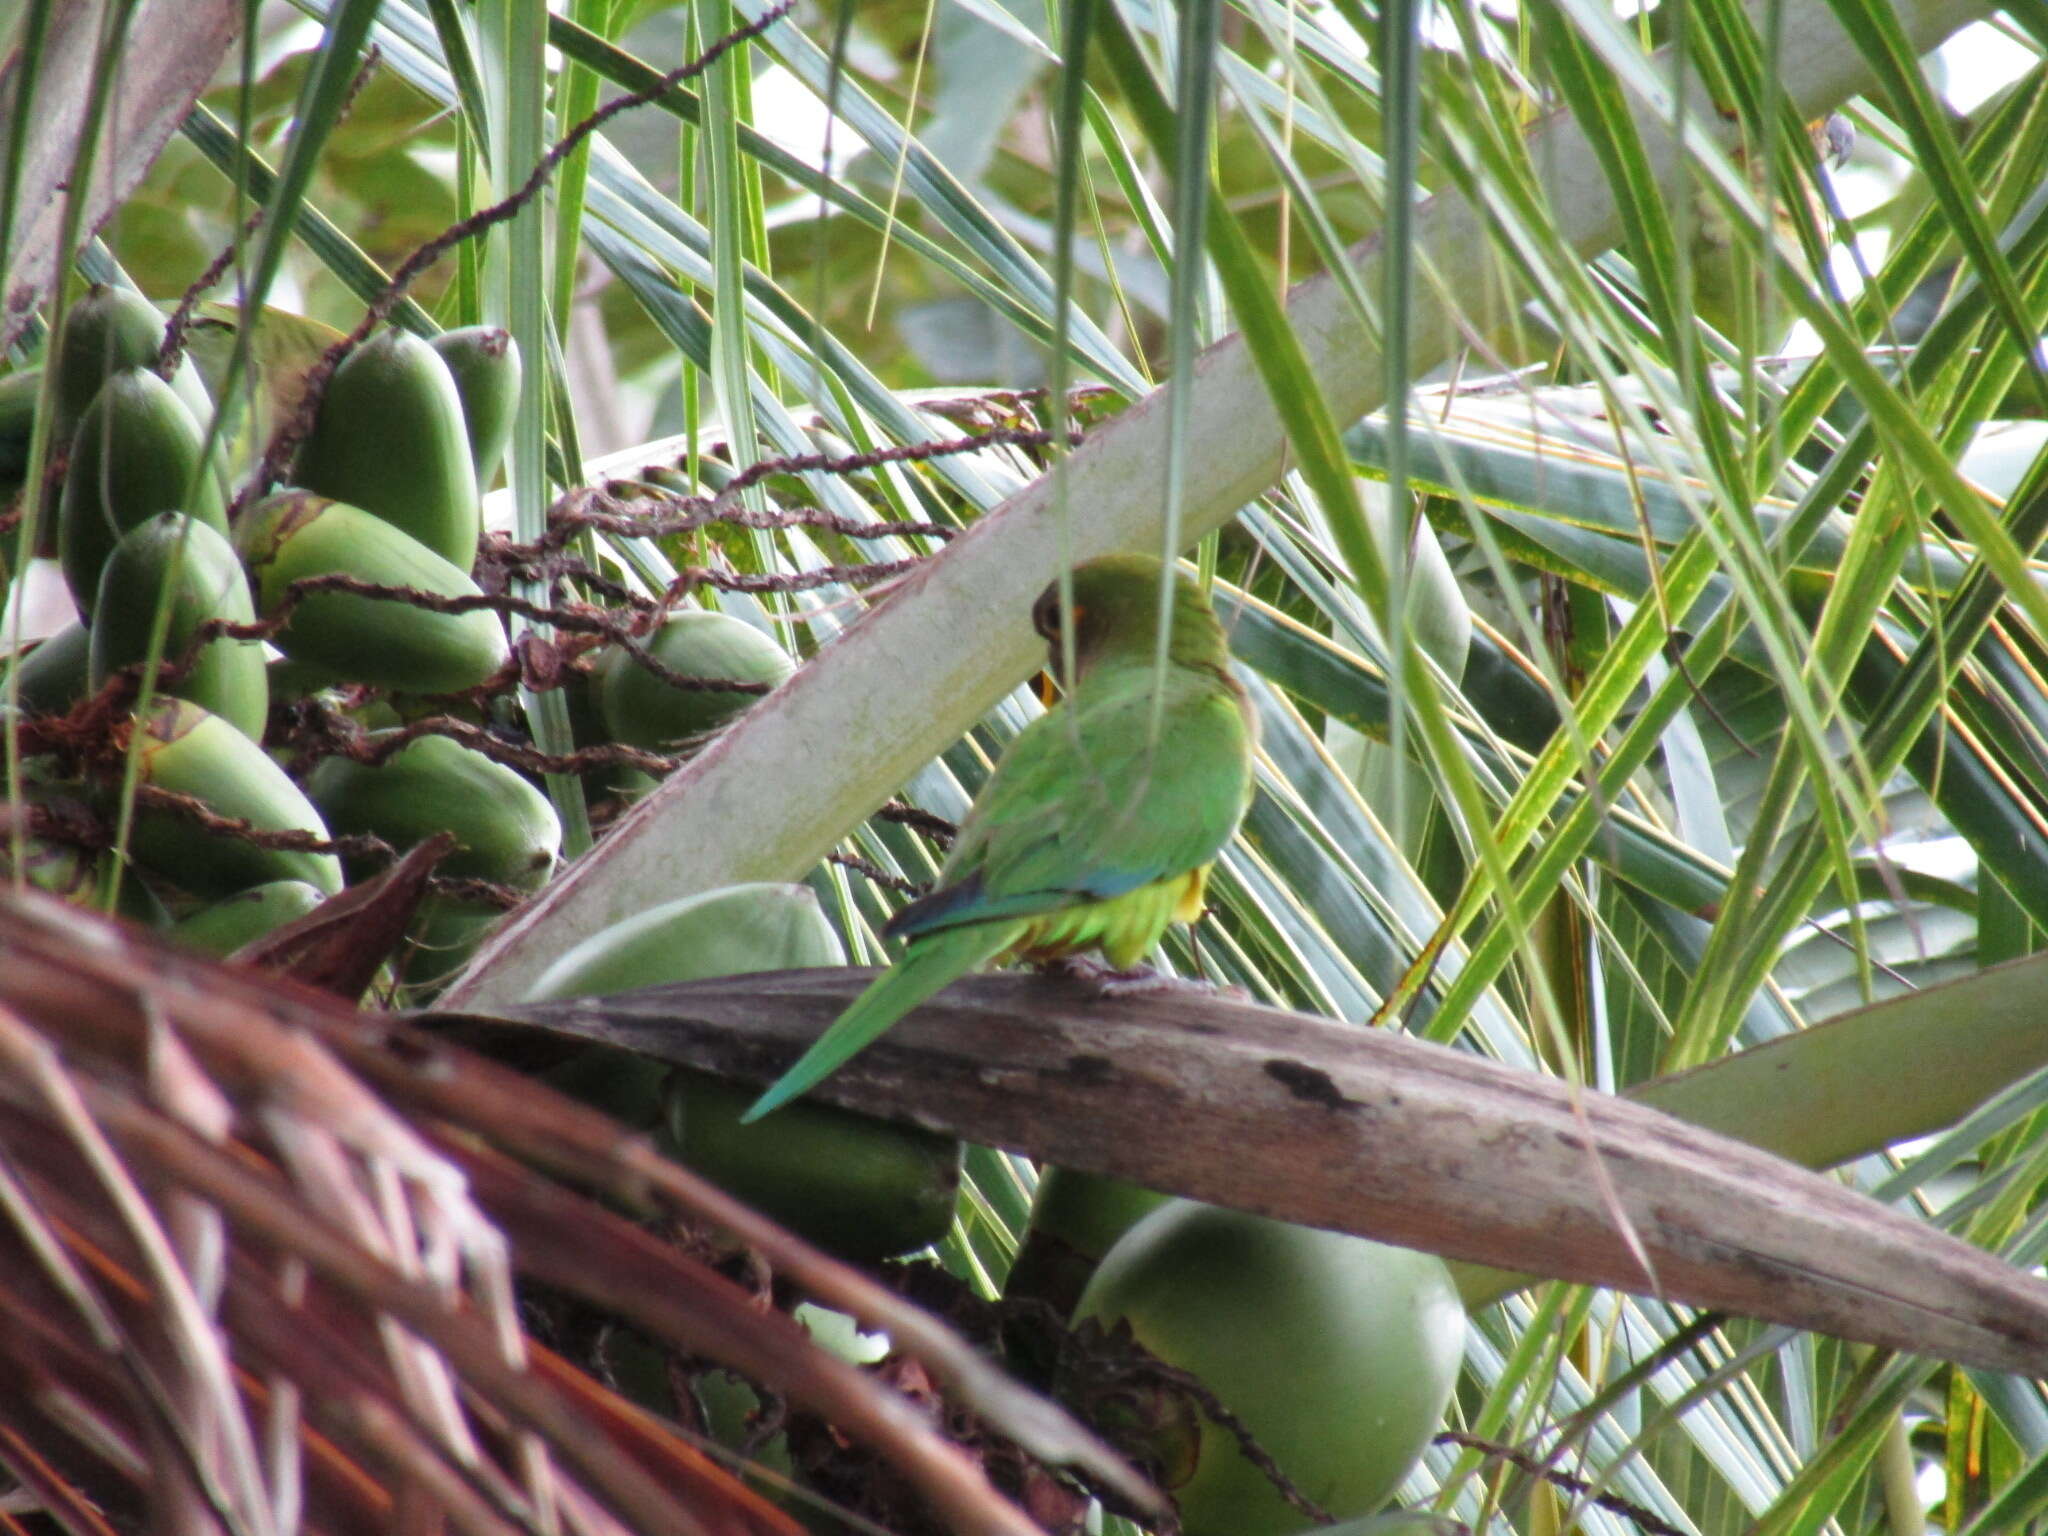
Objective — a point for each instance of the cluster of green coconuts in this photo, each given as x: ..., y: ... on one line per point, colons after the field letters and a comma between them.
x: 385, y: 492
x: 1338, y: 1354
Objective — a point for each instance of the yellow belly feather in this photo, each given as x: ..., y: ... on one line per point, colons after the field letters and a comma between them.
x: 1125, y: 928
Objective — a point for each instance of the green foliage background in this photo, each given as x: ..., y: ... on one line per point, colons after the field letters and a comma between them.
x: 1678, y: 667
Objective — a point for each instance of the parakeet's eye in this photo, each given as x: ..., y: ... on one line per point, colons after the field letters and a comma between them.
x: 1045, y: 614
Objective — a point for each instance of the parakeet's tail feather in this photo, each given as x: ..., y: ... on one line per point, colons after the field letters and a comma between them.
x: 930, y: 964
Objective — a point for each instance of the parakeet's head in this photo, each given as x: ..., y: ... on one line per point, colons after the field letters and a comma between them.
x: 1116, y: 614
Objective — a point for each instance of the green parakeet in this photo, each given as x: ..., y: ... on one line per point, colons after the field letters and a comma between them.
x: 1097, y: 828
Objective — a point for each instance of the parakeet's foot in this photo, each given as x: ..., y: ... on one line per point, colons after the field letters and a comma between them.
x: 1096, y: 973
x: 1139, y: 980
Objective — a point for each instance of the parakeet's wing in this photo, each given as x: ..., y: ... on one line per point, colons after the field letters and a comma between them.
x: 1090, y: 802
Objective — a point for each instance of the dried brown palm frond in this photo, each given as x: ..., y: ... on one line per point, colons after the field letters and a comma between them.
x: 258, y: 1269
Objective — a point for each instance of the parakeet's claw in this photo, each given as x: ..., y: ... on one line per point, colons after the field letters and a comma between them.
x: 1139, y: 980
x: 1092, y: 971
